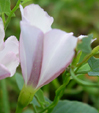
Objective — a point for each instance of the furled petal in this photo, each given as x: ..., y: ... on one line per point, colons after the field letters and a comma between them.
x: 58, y: 53
x: 37, y: 17
x: 2, y: 34
x: 31, y: 50
x: 4, y: 72
x: 10, y: 61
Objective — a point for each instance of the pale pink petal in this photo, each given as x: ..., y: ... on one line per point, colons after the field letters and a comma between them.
x: 2, y: 34
x: 4, y: 72
x: 10, y: 45
x: 58, y: 53
x: 11, y: 62
x: 37, y: 17
x: 9, y: 55
x: 31, y: 50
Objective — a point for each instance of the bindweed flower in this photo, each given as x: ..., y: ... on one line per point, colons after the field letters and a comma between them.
x: 44, y: 52
x: 9, y: 59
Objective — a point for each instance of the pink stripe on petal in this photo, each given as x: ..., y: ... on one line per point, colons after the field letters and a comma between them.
x: 36, y: 68
x: 31, y: 47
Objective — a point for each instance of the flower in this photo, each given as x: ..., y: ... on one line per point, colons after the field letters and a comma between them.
x: 9, y: 59
x: 44, y: 52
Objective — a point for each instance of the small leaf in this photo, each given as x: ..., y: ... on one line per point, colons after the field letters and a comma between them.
x: 94, y: 65
x: 84, y: 68
x: 73, y: 107
x: 19, y: 80
x: 5, y: 6
x: 85, y: 44
x: 40, y: 97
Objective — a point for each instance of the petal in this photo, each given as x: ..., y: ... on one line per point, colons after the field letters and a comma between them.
x: 11, y: 62
x: 2, y: 33
x: 37, y: 17
x: 31, y: 47
x: 10, y: 45
x: 58, y: 53
x: 3, y: 72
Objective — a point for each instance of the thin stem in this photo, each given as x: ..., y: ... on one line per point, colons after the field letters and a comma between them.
x: 3, y: 18
x: 55, y: 83
x: 81, y: 82
x: 34, y: 108
x: 59, y: 92
x: 13, y: 10
x: 5, y: 97
x: 93, y: 52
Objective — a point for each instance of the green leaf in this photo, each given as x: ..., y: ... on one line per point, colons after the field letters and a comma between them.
x: 39, y: 101
x: 73, y: 107
x: 19, y: 80
x: 94, y: 65
x: 85, y: 44
x: 5, y: 6
x: 40, y: 97
x: 84, y: 68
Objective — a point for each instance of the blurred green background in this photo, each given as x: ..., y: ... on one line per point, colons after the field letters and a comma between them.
x: 77, y: 16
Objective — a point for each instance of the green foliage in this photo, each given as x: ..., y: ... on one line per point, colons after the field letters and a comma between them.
x: 84, y: 46
x: 28, y: 111
x: 94, y: 65
x: 5, y: 6
x: 40, y: 97
x: 85, y: 68
x: 19, y: 80
x: 73, y: 107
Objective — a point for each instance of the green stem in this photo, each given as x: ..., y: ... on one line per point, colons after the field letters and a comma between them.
x: 13, y: 10
x: 5, y: 97
x: 59, y: 92
x: 93, y: 52
x: 55, y: 83
x: 3, y: 18
x: 34, y: 108
x: 81, y: 82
